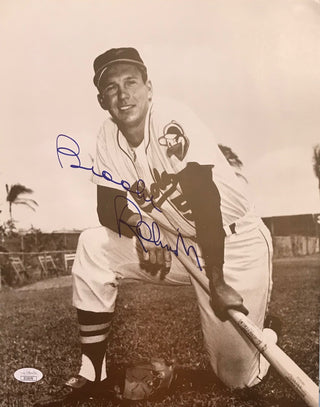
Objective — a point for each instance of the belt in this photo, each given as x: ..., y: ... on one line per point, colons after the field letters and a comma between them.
x: 230, y: 229
x: 247, y: 223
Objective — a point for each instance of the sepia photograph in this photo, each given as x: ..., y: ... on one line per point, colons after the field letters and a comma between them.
x: 160, y: 203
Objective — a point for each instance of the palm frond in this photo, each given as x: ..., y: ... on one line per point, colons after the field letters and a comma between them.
x: 27, y: 200
x: 16, y: 190
x: 22, y: 202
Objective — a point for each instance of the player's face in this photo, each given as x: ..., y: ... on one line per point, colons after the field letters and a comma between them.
x: 124, y: 94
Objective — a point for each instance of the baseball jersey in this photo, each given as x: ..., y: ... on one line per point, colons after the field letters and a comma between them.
x: 173, y: 137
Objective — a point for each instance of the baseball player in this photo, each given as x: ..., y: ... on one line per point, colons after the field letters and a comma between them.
x: 168, y: 202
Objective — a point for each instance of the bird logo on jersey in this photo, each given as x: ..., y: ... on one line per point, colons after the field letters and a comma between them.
x: 174, y: 139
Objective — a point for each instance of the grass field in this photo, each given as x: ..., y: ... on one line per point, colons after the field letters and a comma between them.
x: 39, y: 329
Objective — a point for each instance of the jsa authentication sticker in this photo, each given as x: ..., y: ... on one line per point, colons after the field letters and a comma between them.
x: 28, y: 375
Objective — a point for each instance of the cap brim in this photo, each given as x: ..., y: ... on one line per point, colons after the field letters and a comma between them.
x: 102, y: 70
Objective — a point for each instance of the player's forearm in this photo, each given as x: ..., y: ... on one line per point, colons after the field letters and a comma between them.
x: 106, y: 201
x: 203, y: 198
x: 215, y: 275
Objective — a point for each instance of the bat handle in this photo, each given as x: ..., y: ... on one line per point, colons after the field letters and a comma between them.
x: 282, y: 363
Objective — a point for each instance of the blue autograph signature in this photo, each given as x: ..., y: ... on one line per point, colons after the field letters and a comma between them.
x: 140, y: 185
x: 154, y: 235
x: 153, y: 232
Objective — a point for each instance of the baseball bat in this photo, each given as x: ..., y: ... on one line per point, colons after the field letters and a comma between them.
x: 281, y: 362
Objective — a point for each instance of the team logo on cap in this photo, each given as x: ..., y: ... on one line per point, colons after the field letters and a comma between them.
x: 174, y: 139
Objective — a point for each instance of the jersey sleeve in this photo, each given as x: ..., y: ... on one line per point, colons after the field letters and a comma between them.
x: 194, y: 155
x: 110, y: 203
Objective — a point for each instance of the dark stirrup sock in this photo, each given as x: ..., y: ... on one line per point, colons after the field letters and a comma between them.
x: 94, y: 332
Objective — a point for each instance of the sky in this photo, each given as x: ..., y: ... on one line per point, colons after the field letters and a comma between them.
x: 249, y: 69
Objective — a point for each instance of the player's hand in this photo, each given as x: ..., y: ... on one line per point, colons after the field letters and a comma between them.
x: 223, y: 298
x: 155, y: 260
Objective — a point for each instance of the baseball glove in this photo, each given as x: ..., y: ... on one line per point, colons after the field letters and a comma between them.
x: 147, y: 379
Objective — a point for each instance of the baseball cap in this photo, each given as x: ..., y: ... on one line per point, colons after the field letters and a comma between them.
x: 103, y: 61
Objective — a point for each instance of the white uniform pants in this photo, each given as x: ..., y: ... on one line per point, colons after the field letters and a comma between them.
x: 103, y: 259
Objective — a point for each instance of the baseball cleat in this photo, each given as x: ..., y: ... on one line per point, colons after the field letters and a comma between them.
x: 76, y: 389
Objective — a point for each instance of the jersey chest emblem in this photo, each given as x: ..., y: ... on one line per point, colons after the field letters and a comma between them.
x: 175, y: 140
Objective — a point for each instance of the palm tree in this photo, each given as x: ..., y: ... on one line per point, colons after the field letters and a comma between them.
x: 233, y: 159
x: 316, y: 162
x: 13, y: 197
